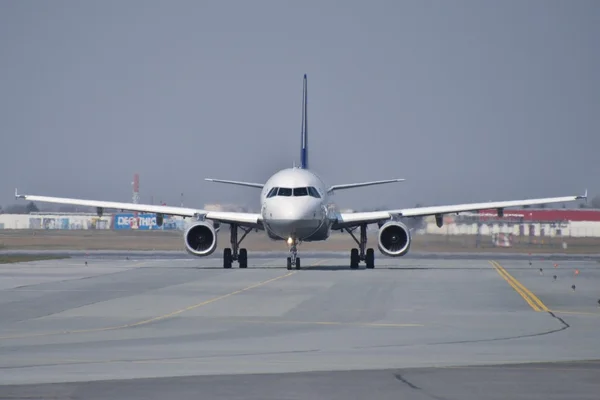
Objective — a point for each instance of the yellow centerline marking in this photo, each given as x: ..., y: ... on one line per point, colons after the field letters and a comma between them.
x: 147, y: 321
x: 525, y: 293
x: 513, y: 284
x: 160, y: 317
x: 317, y: 263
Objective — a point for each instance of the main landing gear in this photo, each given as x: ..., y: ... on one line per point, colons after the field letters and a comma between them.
x: 293, y: 260
x: 358, y: 255
x: 231, y: 254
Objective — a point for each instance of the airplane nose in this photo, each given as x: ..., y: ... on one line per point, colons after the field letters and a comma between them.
x: 292, y: 212
x: 287, y: 219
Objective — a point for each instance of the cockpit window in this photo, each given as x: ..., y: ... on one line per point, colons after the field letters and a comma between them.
x: 313, y: 192
x: 297, y: 192
x: 284, y: 192
x: 300, y: 191
x: 272, y: 192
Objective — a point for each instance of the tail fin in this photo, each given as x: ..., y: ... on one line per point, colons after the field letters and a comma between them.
x: 304, y: 143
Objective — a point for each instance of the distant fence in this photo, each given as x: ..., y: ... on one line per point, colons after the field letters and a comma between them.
x: 123, y: 221
x: 532, y: 229
x: 55, y: 221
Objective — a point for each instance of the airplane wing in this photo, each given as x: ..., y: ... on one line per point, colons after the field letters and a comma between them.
x: 361, y: 184
x: 345, y: 220
x: 249, y: 184
x: 252, y: 220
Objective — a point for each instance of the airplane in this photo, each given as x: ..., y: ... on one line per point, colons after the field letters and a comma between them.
x: 296, y: 208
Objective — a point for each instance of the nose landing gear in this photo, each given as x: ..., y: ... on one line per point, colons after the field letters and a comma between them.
x: 293, y: 261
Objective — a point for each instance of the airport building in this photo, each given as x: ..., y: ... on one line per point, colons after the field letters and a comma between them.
x: 538, y: 223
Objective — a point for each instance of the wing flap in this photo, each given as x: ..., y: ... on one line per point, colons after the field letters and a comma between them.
x: 168, y: 210
x: 353, y: 219
x: 243, y: 219
x: 423, y: 211
x: 345, y: 220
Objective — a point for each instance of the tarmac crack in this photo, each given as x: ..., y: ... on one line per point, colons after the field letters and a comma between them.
x: 403, y: 380
x: 562, y: 321
x: 564, y: 326
x: 411, y: 385
x: 158, y: 360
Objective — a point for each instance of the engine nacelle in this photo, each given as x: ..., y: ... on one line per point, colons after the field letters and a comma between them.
x: 394, y: 239
x: 200, y: 239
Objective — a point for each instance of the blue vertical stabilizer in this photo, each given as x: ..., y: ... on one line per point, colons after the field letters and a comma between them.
x: 304, y: 143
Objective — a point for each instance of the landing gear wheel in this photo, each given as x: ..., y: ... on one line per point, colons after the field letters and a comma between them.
x: 243, y: 258
x: 293, y: 260
x: 358, y: 255
x: 354, y: 258
x: 370, y: 258
x: 234, y: 253
x: 227, y: 258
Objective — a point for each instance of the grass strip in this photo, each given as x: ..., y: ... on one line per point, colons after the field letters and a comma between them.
x: 16, y: 258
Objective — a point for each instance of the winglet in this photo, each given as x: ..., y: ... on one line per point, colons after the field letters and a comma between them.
x: 584, y: 197
x: 17, y: 195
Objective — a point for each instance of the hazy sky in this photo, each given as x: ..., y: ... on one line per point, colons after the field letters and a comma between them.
x: 467, y: 100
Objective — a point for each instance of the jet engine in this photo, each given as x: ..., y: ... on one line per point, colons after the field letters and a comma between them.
x: 394, y: 239
x: 200, y: 239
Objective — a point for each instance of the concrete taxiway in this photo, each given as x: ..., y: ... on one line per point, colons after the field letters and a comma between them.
x: 148, y: 328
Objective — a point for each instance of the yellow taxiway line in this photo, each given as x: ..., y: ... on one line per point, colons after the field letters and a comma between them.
x: 531, y: 299
x: 149, y: 320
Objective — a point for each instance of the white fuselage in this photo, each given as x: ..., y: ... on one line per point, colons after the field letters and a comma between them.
x: 294, y: 205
